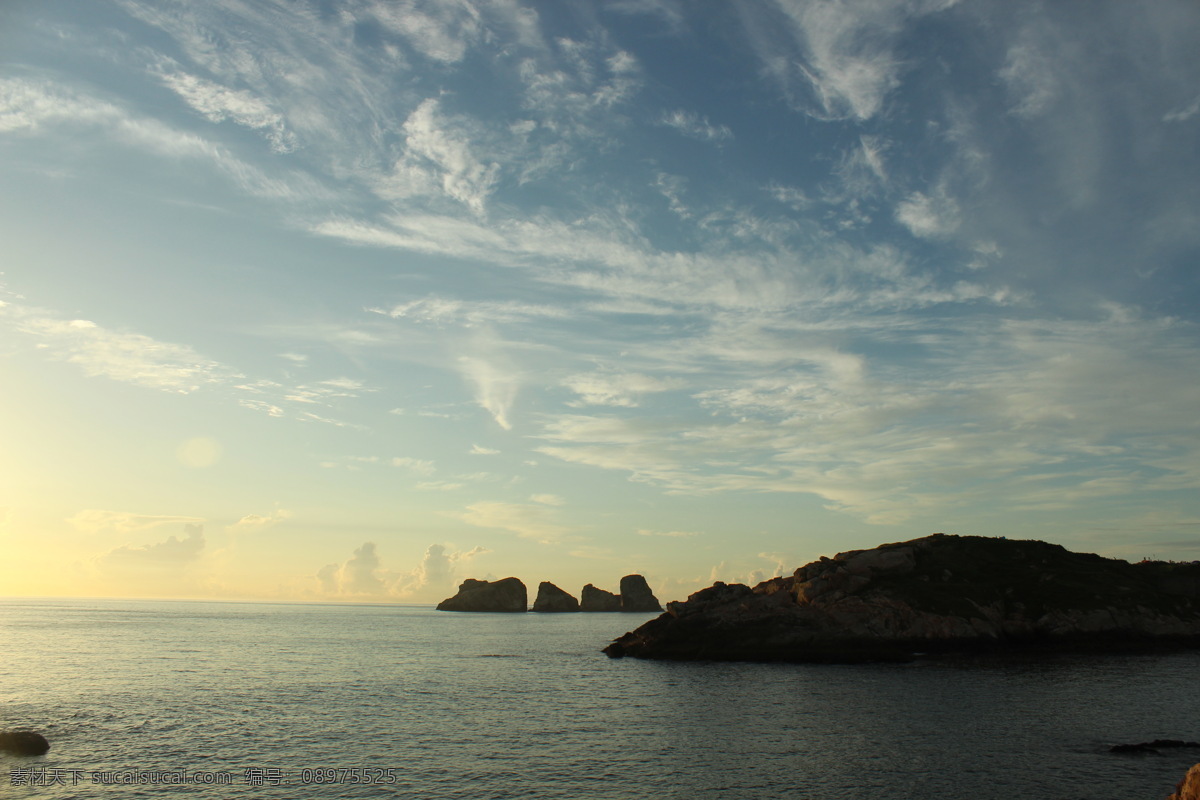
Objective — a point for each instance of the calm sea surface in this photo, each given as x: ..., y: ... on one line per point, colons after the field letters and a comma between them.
x: 334, y: 701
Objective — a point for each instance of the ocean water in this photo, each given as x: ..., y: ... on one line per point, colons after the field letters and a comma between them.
x: 249, y: 700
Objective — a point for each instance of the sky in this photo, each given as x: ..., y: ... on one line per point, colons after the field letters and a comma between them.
x: 352, y: 300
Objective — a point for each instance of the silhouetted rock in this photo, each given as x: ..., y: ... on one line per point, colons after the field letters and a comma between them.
x: 1152, y: 747
x: 508, y: 594
x: 23, y: 743
x: 937, y: 593
x: 636, y: 595
x: 551, y: 599
x: 593, y: 599
x: 1189, y: 787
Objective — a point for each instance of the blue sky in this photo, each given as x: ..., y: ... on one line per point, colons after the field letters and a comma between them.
x: 353, y: 300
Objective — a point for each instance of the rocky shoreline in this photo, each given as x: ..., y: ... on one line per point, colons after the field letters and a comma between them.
x: 933, y: 594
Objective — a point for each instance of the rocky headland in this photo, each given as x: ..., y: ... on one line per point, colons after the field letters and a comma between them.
x: 1189, y: 787
x: 510, y: 594
x: 936, y: 593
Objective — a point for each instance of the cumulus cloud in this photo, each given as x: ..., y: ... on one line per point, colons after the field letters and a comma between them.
x: 364, y: 575
x: 173, y: 550
x: 438, y: 154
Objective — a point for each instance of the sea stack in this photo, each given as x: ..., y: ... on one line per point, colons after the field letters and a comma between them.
x: 636, y: 595
x: 551, y: 599
x: 506, y: 595
x: 593, y: 599
x: 934, y: 594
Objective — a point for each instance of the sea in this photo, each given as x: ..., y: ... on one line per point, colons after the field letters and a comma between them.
x: 223, y: 700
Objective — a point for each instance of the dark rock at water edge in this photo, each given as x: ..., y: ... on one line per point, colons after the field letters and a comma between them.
x: 593, y: 599
x: 551, y: 599
x: 636, y: 595
x: 934, y: 594
x: 1152, y: 747
x: 507, y: 595
x: 23, y: 743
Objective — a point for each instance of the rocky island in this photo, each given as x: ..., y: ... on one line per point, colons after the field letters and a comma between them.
x: 936, y: 593
x: 510, y: 594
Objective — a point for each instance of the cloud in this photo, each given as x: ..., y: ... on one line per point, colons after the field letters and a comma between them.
x: 173, y: 550
x: 624, y: 389
x: 437, y: 154
x: 218, y: 103
x: 421, y: 466
x: 928, y: 217
x: 477, y: 450
x: 495, y: 385
x: 695, y: 126
x: 441, y: 31
x: 847, y: 50
x: 363, y: 576
x: 527, y: 521
x: 252, y: 523
x: 95, y: 521
x: 30, y: 106
x: 547, y: 499
x: 125, y: 357
x: 668, y: 534
x: 1183, y: 113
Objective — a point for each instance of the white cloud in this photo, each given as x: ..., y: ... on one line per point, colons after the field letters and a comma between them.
x: 218, y: 103
x: 695, y: 126
x: 928, y: 217
x: 536, y: 521
x: 849, y: 50
x: 1183, y: 113
x: 438, y: 153
x: 441, y: 31
x: 623, y: 389
x: 495, y: 385
x: 252, y: 523
x: 667, y: 534
x: 477, y: 450
x: 415, y: 464
x: 126, y: 357
x: 365, y: 577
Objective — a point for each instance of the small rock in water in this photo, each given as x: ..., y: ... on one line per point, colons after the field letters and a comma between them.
x: 23, y: 743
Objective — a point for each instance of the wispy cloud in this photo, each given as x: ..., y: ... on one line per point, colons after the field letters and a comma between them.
x: 126, y: 357
x: 847, y: 51
x: 527, y: 520
x: 696, y: 126
x: 94, y: 520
